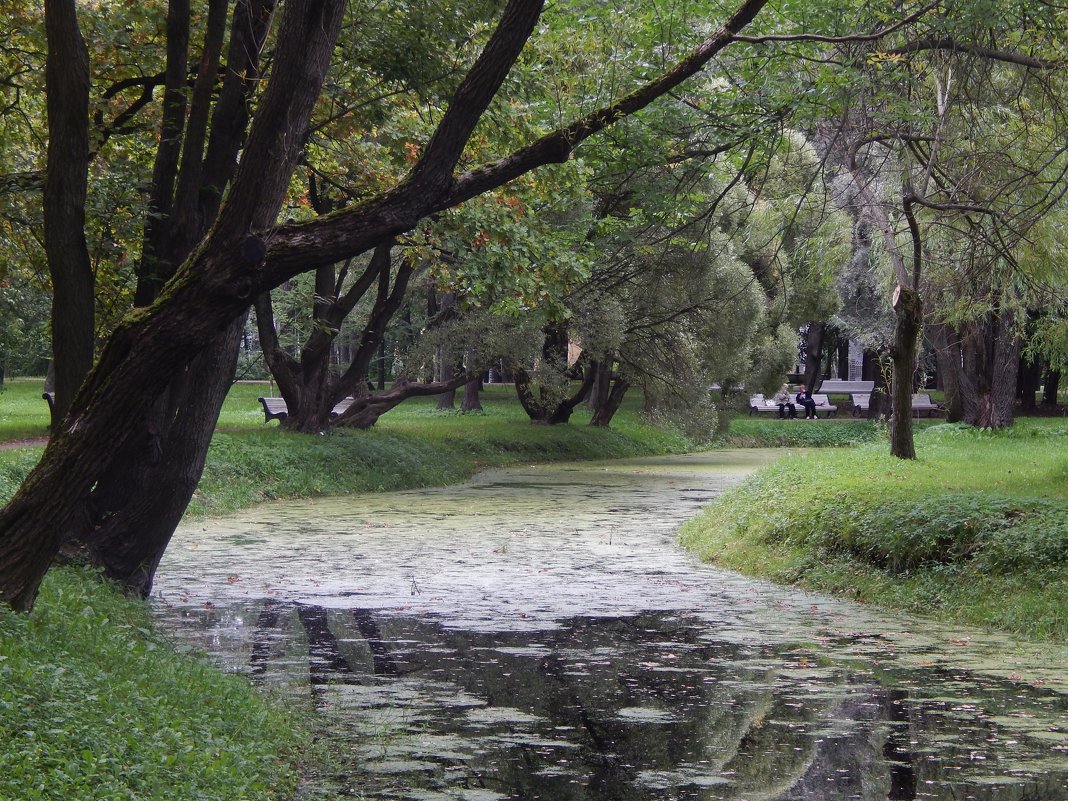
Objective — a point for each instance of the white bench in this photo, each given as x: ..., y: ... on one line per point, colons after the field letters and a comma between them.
x: 276, y: 409
x: 921, y: 402
x: 758, y: 403
x: 846, y: 387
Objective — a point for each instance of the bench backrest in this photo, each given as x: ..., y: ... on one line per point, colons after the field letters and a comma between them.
x: 822, y: 399
x: 922, y: 399
x: 845, y: 387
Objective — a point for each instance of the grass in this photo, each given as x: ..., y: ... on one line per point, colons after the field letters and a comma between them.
x: 23, y: 412
x: 974, y: 531
x: 95, y: 704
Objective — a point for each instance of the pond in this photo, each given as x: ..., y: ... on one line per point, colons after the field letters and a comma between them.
x: 537, y: 633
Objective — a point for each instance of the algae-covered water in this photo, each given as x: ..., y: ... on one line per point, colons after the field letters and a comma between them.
x: 538, y: 634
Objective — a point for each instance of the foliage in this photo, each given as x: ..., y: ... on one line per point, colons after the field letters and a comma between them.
x: 979, y: 506
x: 95, y: 704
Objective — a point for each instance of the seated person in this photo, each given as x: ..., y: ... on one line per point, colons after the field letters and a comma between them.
x: 782, y: 397
x: 804, y: 398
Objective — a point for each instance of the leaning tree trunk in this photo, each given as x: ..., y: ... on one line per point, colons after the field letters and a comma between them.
x: 137, y: 501
x: 365, y: 411
x: 166, y: 475
x: 908, y: 309
x: 145, y: 349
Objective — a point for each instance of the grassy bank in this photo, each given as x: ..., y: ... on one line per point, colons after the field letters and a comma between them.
x: 93, y: 704
x: 975, y: 530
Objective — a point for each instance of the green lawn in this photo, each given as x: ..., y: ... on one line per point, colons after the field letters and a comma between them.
x: 974, y: 530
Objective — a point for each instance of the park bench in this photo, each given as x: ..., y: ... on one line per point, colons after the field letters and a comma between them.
x: 842, y: 387
x: 50, y: 397
x: 758, y: 403
x: 921, y: 402
x: 276, y: 409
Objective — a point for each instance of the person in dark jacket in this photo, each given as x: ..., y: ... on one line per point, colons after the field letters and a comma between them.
x: 804, y: 398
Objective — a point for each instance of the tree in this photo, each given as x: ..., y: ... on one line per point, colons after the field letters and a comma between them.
x: 245, y: 253
x: 941, y: 188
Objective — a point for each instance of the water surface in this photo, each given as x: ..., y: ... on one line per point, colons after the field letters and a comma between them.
x: 537, y: 634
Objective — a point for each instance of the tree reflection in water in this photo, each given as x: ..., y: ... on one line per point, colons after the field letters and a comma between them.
x: 649, y: 706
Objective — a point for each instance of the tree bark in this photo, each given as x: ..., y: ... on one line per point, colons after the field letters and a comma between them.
x: 908, y: 310
x: 146, y: 350
x: 1050, y: 388
x: 139, y: 498
x: 996, y: 358
x: 608, y: 404
x: 472, y: 401
x: 947, y: 347
x: 814, y: 337
x: 161, y: 482
x: 1029, y: 379
x: 65, y: 192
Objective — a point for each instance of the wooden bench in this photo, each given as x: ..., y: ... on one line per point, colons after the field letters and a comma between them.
x: 758, y: 403
x: 921, y: 402
x: 842, y: 387
x: 276, y: 409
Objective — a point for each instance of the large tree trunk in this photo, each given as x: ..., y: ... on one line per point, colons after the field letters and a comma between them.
x: 145, y: 351
x: 158, y: 490
x: 814, y: 337
x: 993, y: 354
x: 609, y: 401
x: 65, y: 191
x: 1029, y: 379
x: 138, y: 500
x: 908, y: 309
x: 1051, y: 387
x: 947, y: 347
x: 472, y: 401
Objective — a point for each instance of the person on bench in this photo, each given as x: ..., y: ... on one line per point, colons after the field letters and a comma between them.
x: 782, y: 397
x: 804, y: 398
